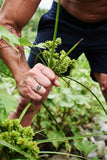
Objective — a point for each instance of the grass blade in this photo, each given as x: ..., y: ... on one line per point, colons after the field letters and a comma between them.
x: 16, y: 149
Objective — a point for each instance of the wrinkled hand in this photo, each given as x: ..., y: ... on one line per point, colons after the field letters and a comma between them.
x: 39, y: 74
x: 29, y: 81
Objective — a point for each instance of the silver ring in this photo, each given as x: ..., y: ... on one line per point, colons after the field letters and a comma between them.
x: 38, y: 88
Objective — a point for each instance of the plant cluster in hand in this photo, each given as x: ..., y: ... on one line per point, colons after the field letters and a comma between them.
x: 13, y: 133
x: 60, y: 61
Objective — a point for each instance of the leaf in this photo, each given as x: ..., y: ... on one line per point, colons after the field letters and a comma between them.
x: 3, y: 31
x: 41, y: 45
x: 8, y: 101
x: 65, y: 103
x: 24, y: 42
x: 55, y: 134
x: 11, y: 38
x: 85, y: 146
x: 16, y: 149
x: 3, y: 113
x: 96, y: 158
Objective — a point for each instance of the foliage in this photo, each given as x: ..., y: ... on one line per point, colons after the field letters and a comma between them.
x: 85, y: 146
x: 71, y: 105
x: 17, y: 136
x: 1, y: 1
x: 66, y: 110
x: 3, y: 113
x: 7, y: 104
x: 60, y: 61
x: 4, y: 71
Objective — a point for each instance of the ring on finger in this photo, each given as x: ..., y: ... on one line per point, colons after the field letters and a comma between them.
x: 38, y: 88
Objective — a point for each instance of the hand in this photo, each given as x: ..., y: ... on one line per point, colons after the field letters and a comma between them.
x: 47, y: 81
x: 27, y: 120
x: 29, y: 81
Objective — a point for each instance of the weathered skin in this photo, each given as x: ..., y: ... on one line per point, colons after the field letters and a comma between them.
x: 86, y: 10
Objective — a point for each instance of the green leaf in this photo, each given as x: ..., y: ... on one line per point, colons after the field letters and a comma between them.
x: 67, y: 138
x: 3, y: 113
x: 24, y: 42
x: 8, y: 101
x: 65, y: 103
x: 12, y: 38
x: 41, y: 45
x: 16, y: 149
x: 55, y: 134
x: 96, y: 158
x: 3, y: 31
x: 85, y: 146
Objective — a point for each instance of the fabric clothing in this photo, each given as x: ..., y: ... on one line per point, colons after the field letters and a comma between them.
x: 71, y: 30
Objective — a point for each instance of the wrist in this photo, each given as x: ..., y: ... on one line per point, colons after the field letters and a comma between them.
x: 15, y: 60
x: 20, y: 70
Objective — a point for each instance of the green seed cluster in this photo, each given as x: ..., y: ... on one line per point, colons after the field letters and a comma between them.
x: 60, y: 61
x: 12, y: 132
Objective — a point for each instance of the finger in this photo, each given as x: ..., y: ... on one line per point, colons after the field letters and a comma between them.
x: 46, y: 71
x: 37, y: 87
x: 27, y: 92
x: 33, y: 95
x: 41, y: 79
x: 56, y: 81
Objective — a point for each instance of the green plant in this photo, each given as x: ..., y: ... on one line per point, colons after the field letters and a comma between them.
x: 59, y: 63
x: 85, y: 146
x: 13, y: 138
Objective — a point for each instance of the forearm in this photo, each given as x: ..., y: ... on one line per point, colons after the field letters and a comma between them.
x: 14, y: 15
x: 17, y: 13
x: 15, y: 60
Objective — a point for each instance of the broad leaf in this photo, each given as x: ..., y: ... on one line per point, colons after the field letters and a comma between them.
x: 8, y: 101
x: 24, y: 42
x: 85, y: 146
x: 11, y: 38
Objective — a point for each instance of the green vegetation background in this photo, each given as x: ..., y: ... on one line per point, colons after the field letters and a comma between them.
x: 72, y: 106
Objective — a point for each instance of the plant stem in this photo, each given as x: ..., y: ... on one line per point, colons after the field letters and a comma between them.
x: 88, y: 90
x: 55, y: 33
x: 67, y: 53
x: 68, y: 154
x: 17, y: 149
x: 37, y: 54
x: 69, y: 138
x: 52, y: 116
x: 24, y: 111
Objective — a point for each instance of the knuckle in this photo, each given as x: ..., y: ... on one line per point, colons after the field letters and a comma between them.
x: 52, y: 77
x: 39, y: 65
x: 27, y: 90
x: 32, y: 72
x: 28, y: 81
x: 47, y: 84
